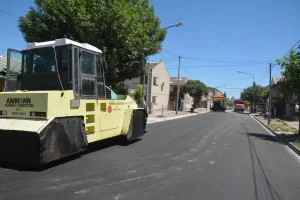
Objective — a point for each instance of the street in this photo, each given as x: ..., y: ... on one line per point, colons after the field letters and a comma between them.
x: 214, y: 155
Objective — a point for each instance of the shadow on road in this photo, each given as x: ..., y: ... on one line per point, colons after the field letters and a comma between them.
x: 267, y: 137
x: 264, y: 136
x: 93, y: 147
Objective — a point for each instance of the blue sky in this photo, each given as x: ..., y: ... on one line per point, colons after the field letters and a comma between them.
x: 218, y: 37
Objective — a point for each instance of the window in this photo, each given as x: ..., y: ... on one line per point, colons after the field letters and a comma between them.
x: 154, y: 99
x: 162, y: 86
x: 100, y: 78
x: 88, y: 63
x: 88, y: 87
x: 155, y: 80
x: 76, y: 70
x: 174, y: 88
x: 41, y: 60
x: 40, y: 67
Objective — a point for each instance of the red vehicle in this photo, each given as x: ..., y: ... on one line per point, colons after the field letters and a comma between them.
x: 239, y: 105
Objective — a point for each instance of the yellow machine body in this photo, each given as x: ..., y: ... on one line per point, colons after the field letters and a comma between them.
x: 38, y: 126
x: 102, y: 118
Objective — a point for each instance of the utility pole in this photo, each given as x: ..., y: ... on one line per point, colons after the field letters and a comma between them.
x: 270, y: 94
x: 148, y: 89
x: 177, y: 99
x: 254, y: 97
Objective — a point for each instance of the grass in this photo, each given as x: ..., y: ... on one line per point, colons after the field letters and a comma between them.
x: 293, y: 137
x: 278, y: 125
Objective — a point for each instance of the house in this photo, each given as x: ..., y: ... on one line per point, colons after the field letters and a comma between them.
x: 284, y: 109
x: 207, y: 100
x: 15, y: 66
x: 157, y: 86
x: 186, y: 99
x: 213, y: 92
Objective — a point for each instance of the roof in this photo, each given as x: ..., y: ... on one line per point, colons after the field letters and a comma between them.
x: 218, y: 96
x: 276, y: 80
x: 151, y: 65
x: 182, y: 80
x: 211, y: 89
x: 61, y: 42
x: 15, y: 64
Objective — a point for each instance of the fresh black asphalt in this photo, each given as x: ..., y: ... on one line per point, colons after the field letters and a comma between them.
x: 209, y: 156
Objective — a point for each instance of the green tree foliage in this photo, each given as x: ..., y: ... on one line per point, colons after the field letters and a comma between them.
x: 121, y: 88
x: 229, y: 102
x: 247, y: 103
x: 290, y: 65
x: 261, y: 93
x: 196, y: 89
x: 127, y: 31
x: 139, y: 94
x: 289, y: 86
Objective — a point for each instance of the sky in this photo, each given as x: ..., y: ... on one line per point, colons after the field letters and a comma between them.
x: 218, y: 38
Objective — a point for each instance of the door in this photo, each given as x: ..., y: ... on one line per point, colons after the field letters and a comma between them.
x: 13, y: 69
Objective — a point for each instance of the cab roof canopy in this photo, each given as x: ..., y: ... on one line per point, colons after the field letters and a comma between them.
x: 61, y: 42
x: 218, y: 96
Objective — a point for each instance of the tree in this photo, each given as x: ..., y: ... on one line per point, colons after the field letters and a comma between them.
x: 139, y: 94
x: 261, y: 94
x: 225, y: 95
x: 229, y: 103
x: 121, y: 88
x: 246, y: 103
x: 196, y: 89
x: 289, y: 86
x: 127, y: 31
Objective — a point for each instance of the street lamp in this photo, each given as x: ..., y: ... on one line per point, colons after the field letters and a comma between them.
x: 175, y: 25
x: 254, y: 97
x: 148, y: 74
x: 177, y: 96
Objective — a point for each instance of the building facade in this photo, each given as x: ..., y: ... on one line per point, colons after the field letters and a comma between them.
x: 185, y: 100
x: 157, y: 86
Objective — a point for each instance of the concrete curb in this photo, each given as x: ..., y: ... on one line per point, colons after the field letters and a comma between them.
x: 280, y: 137
x: 163, y: 119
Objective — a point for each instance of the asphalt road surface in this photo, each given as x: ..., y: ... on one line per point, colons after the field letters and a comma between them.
x: 209, y: 156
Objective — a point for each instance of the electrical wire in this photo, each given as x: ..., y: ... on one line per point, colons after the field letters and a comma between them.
x: 227, y: 61
x: 2, y: 11
x: 57, y: 68
x: 285, y: 54
x: 183, y: 66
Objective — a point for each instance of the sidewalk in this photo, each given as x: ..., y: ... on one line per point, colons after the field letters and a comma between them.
x: 283, y: 130
x: 292, y: 124
x: 169, y: 115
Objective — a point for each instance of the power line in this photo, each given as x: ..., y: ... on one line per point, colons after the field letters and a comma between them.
x: 172, y: 54
x: 286, y: 53
x: 234, y: 88
x: 2, y: 11
x: 183, y: 66
x: 10, y: 33
x: 290, y: 49
x: 215, y: 60
x: 265, y: 73
x: 227, y: 61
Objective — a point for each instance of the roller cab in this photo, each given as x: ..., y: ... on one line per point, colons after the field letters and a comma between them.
x: 56, y: 102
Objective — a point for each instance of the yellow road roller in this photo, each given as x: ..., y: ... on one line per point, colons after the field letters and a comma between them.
x: 56, y: 103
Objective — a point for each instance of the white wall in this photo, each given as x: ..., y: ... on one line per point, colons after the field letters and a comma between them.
x: 161, y: 92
